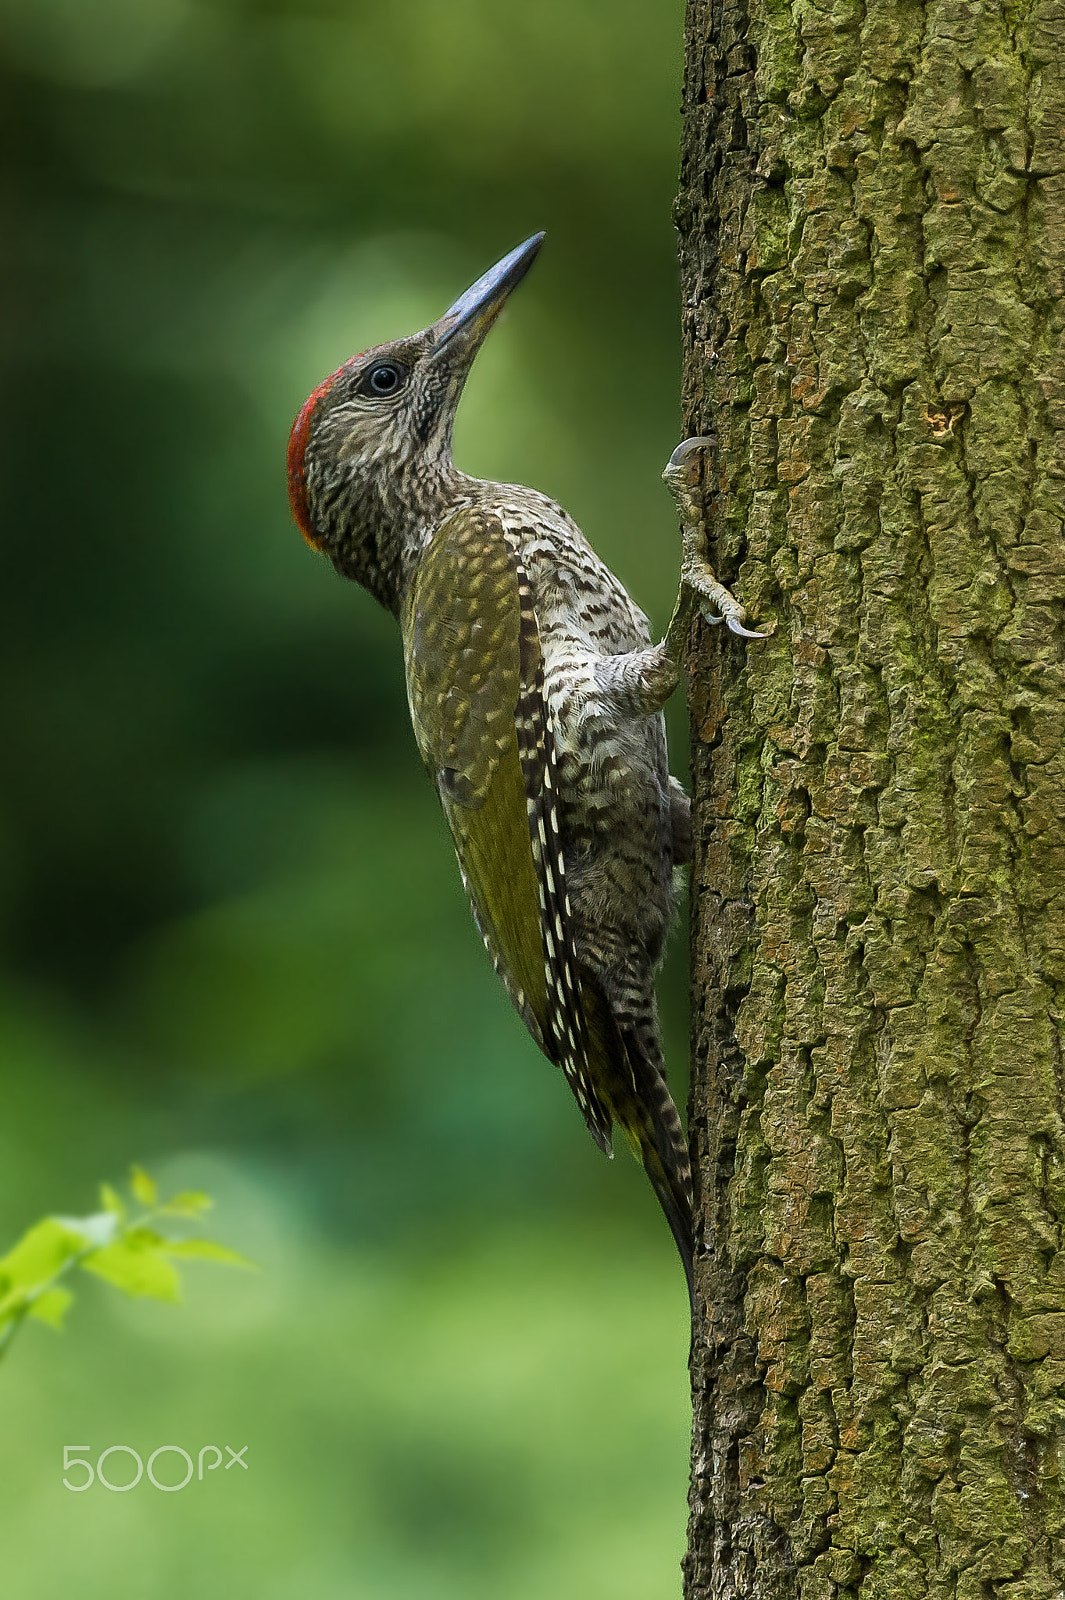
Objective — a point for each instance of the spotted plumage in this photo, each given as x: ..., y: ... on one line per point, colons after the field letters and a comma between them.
x: 535, y: 695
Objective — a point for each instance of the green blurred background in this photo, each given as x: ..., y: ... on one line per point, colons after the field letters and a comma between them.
x: 235, y: 946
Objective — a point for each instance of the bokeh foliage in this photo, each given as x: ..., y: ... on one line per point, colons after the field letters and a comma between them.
x: 130, y: 1243
x: 234, y: 944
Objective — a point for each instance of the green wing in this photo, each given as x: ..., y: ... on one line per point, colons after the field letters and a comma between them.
x: 475, y: 685
x: 466, y: 653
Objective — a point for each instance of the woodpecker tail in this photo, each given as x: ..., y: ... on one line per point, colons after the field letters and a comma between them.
x: 630, y: 1079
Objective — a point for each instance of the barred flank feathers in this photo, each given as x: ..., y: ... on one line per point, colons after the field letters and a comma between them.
x: 567, y: 1043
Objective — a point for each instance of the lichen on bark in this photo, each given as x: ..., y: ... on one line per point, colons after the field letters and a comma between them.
x: 872, y: 219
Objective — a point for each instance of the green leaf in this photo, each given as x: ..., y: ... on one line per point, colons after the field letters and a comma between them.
x: 41, y: 1252
x: 136, y: 1265
x: 142, y: 1187
x: 144, y: 1238
x: 208, y: 1250
x: 95, y: 1230
x: 135, y: 1258
x: 12, y: 1306
x: 112, y: 1201
x: 51, y: 1307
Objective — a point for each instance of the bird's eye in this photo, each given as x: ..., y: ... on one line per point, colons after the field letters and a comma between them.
x: 384, y: 378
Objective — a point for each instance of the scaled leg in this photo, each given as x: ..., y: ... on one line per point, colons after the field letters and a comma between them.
x: 641, y: 681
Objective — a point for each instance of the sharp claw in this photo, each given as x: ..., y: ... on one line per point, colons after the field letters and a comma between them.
x: 744, y: 633
x: 685, y: 448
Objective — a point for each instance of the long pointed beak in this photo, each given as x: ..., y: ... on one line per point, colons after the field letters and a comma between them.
x: 464, y: 325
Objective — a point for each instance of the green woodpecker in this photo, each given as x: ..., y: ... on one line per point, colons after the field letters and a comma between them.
x: 536, y: 698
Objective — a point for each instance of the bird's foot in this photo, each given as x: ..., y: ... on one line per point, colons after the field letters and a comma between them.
x: 683, y: 477
x: 716, y: 603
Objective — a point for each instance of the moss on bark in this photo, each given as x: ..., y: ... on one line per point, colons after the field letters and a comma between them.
x: 872, y: 219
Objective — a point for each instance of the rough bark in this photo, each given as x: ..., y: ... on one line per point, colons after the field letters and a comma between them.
x: 873, y: 250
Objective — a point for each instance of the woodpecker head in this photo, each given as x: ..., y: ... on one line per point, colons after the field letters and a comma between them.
x: 369, y: 456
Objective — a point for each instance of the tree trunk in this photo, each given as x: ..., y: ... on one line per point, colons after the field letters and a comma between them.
x: 873, y: 247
